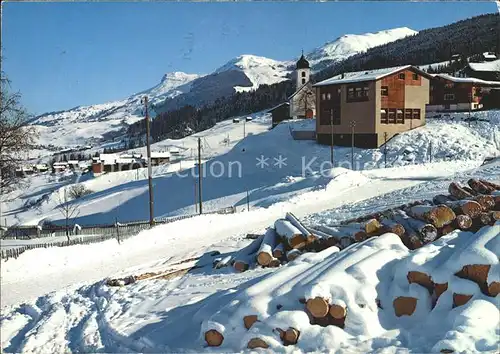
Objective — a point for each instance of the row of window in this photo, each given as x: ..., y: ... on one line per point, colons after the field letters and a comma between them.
x: 398, y: 115
x: 414, y: 76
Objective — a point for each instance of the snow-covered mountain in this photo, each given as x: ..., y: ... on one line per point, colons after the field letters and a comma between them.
x: 86, y: 125
x: 259, y: 70
x: 350, y: 44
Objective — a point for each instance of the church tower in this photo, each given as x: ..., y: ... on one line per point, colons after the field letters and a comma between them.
x: 302, y: 72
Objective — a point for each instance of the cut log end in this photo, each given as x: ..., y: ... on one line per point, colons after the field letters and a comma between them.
x: 318, y: 307
x: 264, y: 258
x: 338, y: 312
x: 257, y: 343
x: 213, y: 338
x: 249, y: 320
x: 422, y: 279
x: 291, y: 336
x: 404, y: 305
x: 478, y: 273
x: 460, y: 299
x: 241, y: 266
x: 494, y: 289
x: 463, y: 222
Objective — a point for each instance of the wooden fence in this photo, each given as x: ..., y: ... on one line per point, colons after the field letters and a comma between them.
x: 83, y: 235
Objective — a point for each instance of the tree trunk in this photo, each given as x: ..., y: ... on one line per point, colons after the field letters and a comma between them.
x: 265, y: 253
x: 458, y: 192
x: 288, y: 232
x: 479, y: 187
x: 438, y: 216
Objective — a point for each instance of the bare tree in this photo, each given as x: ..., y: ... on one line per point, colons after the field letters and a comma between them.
x: 17, y: 137
x: 67, y: 209
x: 306, y: 100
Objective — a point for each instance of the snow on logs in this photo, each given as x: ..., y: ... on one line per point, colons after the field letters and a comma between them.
x: 287, y: 231
x: 265, y: 253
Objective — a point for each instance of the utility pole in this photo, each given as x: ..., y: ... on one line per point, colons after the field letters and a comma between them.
x: 470, y: 104
x: 195, y: 198
x: 150, y: 178
x: 331, y: 131
x: 244, y: 128
x: 385, y: 150
x: 200, y: 171
x: 353, y: 124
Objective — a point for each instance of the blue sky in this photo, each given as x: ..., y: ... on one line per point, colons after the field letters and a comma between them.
x: 60, y: 55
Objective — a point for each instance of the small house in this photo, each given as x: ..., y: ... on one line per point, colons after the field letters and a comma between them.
x: 159, y: 158
x: 280, y: 113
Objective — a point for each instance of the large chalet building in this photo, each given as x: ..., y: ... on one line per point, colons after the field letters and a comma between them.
x: 374, y: 104
x: 449, y: 93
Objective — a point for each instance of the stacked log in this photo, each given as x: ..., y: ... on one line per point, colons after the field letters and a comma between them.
x: 470, y: 208
x: 290, y: 233
x: 463, y: 222
x: 249, y: 320
x: 279, y: 251
x: 318, y: 307
x: 460, y: 299
x: 438, y: 216
x: 422, y: 279
x: 458, y: 192
x: 265, y: 252
x: 479, y: 187
x: 290, y: 336
x: 213, y: 338
x: 246, y: 256
x: 257, y: 343
x: 404, y: 306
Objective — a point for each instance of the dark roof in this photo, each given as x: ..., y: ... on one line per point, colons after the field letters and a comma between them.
x: 300, y: 89
x: 302, y: 63
x: 278, y: 106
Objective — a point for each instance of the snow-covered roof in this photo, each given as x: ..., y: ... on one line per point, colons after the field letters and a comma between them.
x: 73, y: 162
x: 364, y: 75
x: 300, y: 89
x: 486, y: 66
x: 122, y: 160
x: 60, y: 164
x: 281, y: 104
x: 489, y: 55
x: 467, y: 80
x: 160, y: 154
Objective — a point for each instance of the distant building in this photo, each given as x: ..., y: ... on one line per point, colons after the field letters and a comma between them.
x: 58, y: 167
x: 159, y: 158
x: 448, y: 93
x: 489, y: 56
x: 280, y: 113
x: 488, y: 70
x: 379, y: 103
x: 127, y: 161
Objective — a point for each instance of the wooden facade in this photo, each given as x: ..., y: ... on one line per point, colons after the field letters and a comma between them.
x: 378, y: 107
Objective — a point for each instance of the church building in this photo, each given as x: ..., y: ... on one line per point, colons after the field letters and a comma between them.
x: 302, y: 104
x: 303, y: 101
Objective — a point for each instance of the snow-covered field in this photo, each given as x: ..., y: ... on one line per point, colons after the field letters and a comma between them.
x: 56, y: 300
x: 164, y: 315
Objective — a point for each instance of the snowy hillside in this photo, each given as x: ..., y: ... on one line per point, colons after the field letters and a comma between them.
x: 87, y: 125
x: 235, y: 168
x: 351, y: 44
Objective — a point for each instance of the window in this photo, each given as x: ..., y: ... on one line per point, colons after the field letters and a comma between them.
x: 402, y: 76
x: 415, y: 76
x: 392, y: 116
x: 384, y: 91
x: 449, y: 85
x: 329, y: 116
x: 416, y: 113
x: 323, y: 96
x: 357, y: 93
x: 400, y: 119
x: 303, y: 81
x: 303, y: 74
x: 383, y: 116
x: 328, y: 96
x: 408, y: 113
x: 350, y: 93
x: 449, y: 96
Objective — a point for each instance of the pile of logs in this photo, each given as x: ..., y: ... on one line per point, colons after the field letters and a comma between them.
x: 418, y: 223
x: 285, y: 241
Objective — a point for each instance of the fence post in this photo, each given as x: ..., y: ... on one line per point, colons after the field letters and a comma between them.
x: 117, y: 231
